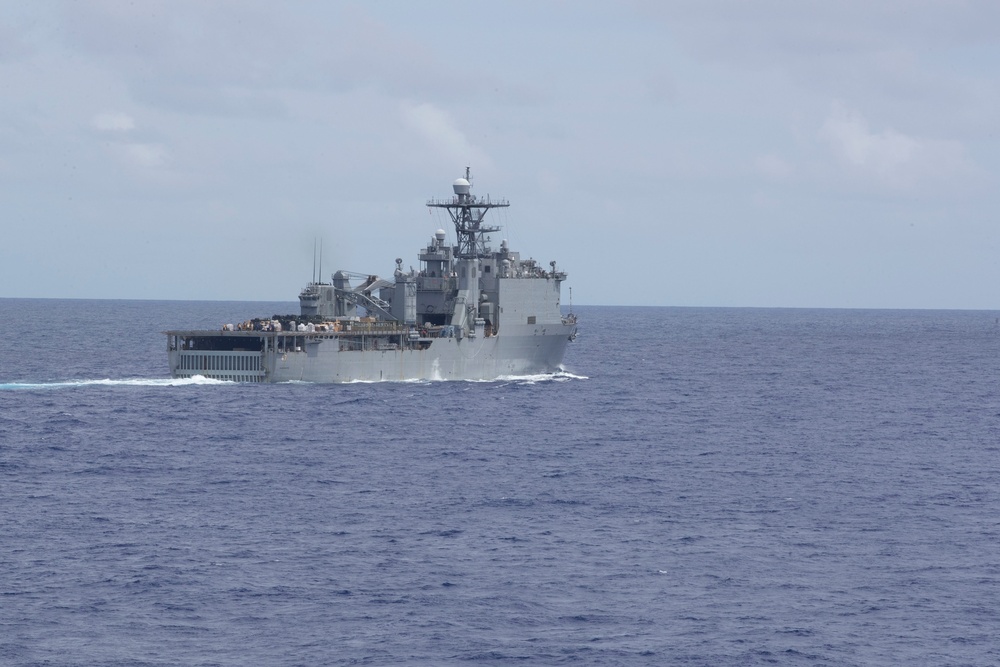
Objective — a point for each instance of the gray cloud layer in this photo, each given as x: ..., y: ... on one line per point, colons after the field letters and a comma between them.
x: 703, y: 153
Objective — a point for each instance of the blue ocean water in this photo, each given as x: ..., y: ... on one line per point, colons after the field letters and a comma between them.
x: 702, y: 487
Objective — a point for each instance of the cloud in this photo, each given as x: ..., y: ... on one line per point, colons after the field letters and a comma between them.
x: 773, y: 167
x: 775, y: 31
x: 439, y: 130
x: 904, y: 57
x: 12, y: 41
x: 144, y: 155
x: 891, y: 158
x: 240, y: 57
x: 117, y: 130
x: 113, y: 121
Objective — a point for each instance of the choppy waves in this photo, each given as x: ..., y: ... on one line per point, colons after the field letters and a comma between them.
x: 718, y: 486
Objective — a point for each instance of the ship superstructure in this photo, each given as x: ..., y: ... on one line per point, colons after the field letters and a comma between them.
x: 468, y: 313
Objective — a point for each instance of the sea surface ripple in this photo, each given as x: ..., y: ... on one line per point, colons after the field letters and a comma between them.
x: 700, y: 487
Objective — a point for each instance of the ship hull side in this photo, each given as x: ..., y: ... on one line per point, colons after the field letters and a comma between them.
x: 526, y: 350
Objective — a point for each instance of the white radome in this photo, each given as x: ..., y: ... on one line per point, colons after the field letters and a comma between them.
x: 461, y: 186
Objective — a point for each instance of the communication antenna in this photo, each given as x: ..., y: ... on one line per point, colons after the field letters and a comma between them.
x: 318, y: 277
x: 467, y: 212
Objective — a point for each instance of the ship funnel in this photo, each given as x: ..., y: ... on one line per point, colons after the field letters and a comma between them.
x: 461, y: 186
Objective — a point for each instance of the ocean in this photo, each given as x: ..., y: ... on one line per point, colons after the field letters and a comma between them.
x: 700, y: 487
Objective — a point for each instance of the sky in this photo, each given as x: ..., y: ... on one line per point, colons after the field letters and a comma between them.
x: 668, y: 153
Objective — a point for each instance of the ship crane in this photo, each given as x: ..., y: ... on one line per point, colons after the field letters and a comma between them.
x: 369, y: 302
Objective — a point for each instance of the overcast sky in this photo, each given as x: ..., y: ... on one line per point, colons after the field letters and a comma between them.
x: 702, y: 153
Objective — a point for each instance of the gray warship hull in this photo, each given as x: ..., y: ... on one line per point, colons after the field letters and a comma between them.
x: 335, y: 357
x: 469, y: 313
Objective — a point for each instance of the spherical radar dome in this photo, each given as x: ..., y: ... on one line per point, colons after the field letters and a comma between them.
x: 461, y: 186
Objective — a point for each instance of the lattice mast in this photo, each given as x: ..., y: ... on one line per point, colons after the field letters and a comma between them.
x: 467, y: 212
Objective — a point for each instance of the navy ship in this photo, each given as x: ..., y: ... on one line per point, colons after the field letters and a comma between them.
x: 470, y: 312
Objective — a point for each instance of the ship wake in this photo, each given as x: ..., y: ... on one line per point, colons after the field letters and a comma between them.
x: 131, y: 382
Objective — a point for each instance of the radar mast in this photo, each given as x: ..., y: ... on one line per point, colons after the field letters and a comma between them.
x: 467, y: 212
